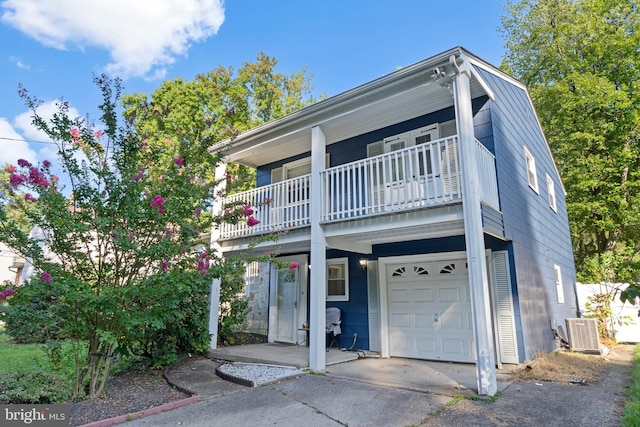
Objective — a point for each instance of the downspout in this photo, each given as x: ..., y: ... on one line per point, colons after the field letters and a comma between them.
x: 473, y: 233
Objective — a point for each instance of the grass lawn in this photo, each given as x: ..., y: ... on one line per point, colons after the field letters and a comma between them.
x: 631, y: 412
x: 21, y: 356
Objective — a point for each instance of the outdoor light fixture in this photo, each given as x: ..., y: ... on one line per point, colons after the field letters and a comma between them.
x: 363, y: 263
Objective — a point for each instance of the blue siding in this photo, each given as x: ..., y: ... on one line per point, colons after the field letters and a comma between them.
x: 540, y: 236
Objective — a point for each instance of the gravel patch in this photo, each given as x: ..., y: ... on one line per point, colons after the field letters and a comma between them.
x: 256, y: 374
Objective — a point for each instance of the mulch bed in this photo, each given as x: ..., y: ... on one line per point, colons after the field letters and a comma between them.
x: 126, y: 393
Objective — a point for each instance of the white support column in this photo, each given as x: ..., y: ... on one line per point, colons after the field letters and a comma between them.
x: 214, y: 293
x: 318, y: 285
x: 474, y: 236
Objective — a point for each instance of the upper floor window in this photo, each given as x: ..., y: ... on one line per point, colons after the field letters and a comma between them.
x: 532, y: 176
x: 552, y: 193
x: 338, y: 279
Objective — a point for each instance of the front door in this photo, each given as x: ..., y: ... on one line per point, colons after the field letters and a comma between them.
x: 289, y: 306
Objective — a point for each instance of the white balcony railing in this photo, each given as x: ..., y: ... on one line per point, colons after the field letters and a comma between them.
x: 419, y: 176
x: 278, y: 206
x: 416, y: 177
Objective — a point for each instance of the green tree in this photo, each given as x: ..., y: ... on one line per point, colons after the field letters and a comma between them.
x: 580, y: 59
x: 216, y: 106
x: 117, y: 256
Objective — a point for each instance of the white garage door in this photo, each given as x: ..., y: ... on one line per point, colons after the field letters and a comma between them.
x: 430, y: 311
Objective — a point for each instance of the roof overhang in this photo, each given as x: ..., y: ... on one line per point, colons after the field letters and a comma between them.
x: 405, y: 94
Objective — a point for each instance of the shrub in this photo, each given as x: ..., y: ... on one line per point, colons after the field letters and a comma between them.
x: 34, y: 387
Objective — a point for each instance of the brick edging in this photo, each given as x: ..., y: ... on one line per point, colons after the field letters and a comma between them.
x: 151, y: 411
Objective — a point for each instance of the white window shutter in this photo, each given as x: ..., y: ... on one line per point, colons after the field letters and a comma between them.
x: 503, y: 305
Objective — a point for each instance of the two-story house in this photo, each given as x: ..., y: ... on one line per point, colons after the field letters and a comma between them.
x: 425, y: 204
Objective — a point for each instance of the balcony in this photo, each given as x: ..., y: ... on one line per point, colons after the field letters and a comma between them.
x: 418, y: 177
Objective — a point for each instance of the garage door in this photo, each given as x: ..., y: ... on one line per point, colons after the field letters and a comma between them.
x: 430, y: 311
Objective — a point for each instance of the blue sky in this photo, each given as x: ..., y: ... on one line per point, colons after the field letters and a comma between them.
x: 52, y: 47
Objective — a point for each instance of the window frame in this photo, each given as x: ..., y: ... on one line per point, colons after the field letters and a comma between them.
x: 551, y: 188
x: 345, y: 263
x: 532, y: 174
x: 557, y: 271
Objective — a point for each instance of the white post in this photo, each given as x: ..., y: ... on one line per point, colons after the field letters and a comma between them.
x: 214, y: 293
x: 318, y: 284
x: 474, y: 236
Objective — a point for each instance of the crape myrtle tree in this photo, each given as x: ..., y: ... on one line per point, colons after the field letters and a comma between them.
x: 117, y: 257
x: 121, y: 263
x: 581, y: 61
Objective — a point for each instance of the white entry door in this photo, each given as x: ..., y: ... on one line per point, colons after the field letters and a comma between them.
x: 429, y: 310
x: 288, y: 305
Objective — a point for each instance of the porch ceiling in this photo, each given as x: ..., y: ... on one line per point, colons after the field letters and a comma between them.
x: 400, y: 96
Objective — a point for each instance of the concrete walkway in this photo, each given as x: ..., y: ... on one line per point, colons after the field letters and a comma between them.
x: 395, y: 392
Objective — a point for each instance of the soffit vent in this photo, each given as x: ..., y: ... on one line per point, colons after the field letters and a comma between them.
x: 583, y: 335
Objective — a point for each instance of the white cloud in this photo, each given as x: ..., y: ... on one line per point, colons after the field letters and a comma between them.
x: 19, y: 63
x: 141, y: 37
x: 12, y: 145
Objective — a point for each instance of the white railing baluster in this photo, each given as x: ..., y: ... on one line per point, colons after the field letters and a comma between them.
x: 425, y: 175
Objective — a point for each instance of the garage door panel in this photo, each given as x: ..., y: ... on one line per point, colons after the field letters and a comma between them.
x: 424, y: 321
x: 423, y: 295
x: 430, y: 314
x: 453, y: 349
x: 453, y: 321
x: 450, y: 294
x: 426, y: 345
x: 399, y: 295
x: 400, y: 320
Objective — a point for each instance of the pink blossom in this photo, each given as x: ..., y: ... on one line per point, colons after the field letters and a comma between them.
x: 137, y: 177
x: 37, y: 178
x: 29, y: 198
x: 157, y: 201
x: 145, y: 144
x: 203, y: 263
x: 3, y: 296
x: 10, y: 169
x: 17, y: 179
x: 228, y: 176
x: 161, y: 211
x: 197, y: 212
x: 98, y: 133
x: 251, y: 221
x: 54, y: 178
x: 268, y: 201
x: 246, y: 210
x: 165, y: 266
x: 178, y: 161
x: 75, y: 134
x: 46, y: 164
x: 8, y: 292
x: 293, y: 265
x: 46, y: 277
x: 23, y: 163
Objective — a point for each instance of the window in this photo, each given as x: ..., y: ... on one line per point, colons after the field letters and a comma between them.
x: 338, y: 279
x: 294, y: 169
x: 559, y: 289
x: 552, y: 193
x: 532, y: 176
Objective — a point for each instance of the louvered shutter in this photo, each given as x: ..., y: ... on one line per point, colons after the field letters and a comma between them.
x: 374, y: 306
x: 503, y: 306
